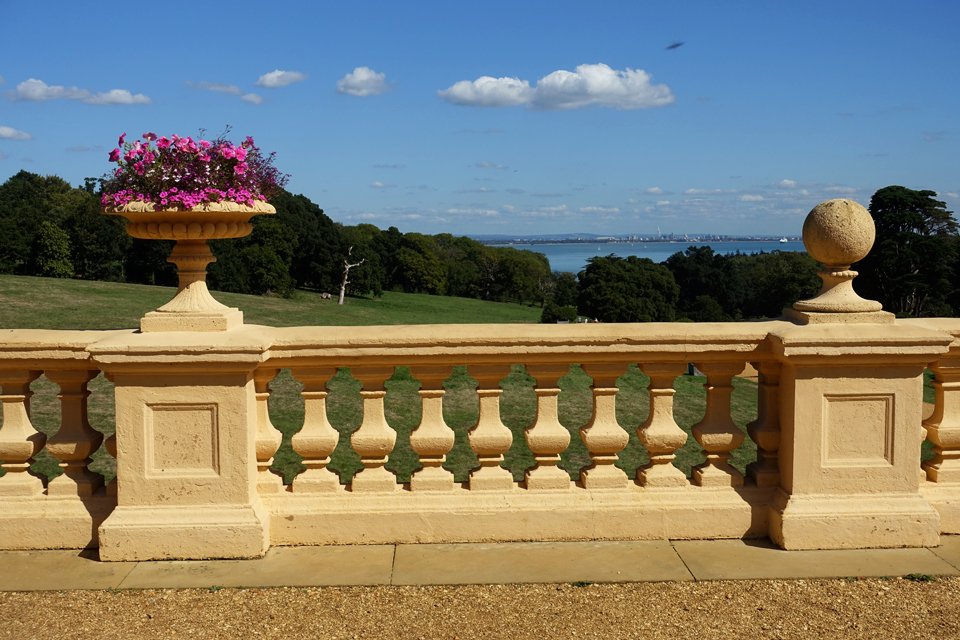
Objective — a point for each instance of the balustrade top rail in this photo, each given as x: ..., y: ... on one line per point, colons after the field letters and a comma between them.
x: 461, y: 344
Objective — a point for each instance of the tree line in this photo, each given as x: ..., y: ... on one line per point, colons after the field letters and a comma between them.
x: 913, y: 270
x: 48, y: 228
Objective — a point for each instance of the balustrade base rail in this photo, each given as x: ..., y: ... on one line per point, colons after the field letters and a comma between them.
x: 520, y: 515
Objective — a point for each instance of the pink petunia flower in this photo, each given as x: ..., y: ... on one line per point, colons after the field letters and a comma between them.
x: 163, y: 142
x: 121, y: 139
x: 150, y: 136
x: 115, y: 155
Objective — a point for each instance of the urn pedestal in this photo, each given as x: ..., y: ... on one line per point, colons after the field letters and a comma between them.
x: 193, y: 308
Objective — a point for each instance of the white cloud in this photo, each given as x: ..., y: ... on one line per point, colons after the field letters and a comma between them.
x: 9, y: 133
x: 482, y: 213
x: 279, y: 78
x: 788, y: 184
x: 252, y: 98
x: 952, y: 194
x: 841, y: 190
x: 477, y: 190
x: 487, y: 91
x: 600, y: 210
x: 217, y: 87
x: 705, y: 192
x: 363, y: 82
x: 377, y: 184
x: 589, y: 85
x: 490, y: 165
x: 750, y: 197
x: 117, y: 96
x: 36, y: 90
x: 663, y: 203
x: 654, y: 191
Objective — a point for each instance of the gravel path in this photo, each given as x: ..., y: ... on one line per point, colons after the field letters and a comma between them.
x: 867, y: 608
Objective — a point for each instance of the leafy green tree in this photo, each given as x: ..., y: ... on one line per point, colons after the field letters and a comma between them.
x: 553, y: 313
x: 773, y: 281
x: 465, y: 260
x: 910, y: 268
x: 26, y: 200
x: 419, y: 268
x: 318, y: 255
x: 709, y: 288
x: 565, y: 289
x: 387, y: 245
x: 51, y: 252
x: 630, y: 289
x: 145, y: 262
x: 98, y: 242
x: 257, y: 264
x: 367, y: 278
x: 521, y: 276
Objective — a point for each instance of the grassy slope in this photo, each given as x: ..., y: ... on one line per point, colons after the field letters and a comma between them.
x: 50, y: 303
x: 60, y: 304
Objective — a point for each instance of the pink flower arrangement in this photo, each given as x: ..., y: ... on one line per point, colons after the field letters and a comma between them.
x: 180, y: 172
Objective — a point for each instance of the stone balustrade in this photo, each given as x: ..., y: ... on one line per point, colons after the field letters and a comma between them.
x: 838, y: 432
x: 838, y: 436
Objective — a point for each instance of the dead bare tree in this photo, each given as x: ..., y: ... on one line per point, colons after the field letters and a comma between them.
x: 346, y: 273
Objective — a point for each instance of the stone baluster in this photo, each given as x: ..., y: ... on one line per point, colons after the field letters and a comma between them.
x: 76, y: 440
x: 317, y: 439
x: 603, y: 435
x: 717, y: 433
x: 433, y: 438
x: 490, y: 438
x: 268, y: 438
x: 547, y: 438
x: 374, y: 440
x: 765, y: 430
x: 19, y: 441
x: 661, y: 434
x: 943, y: 426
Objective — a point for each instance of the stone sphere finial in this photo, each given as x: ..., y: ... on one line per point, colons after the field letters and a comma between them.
x: 839, y: 232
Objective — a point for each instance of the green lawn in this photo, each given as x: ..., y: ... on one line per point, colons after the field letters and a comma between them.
x: 60, y: 304
x: 51, y: 303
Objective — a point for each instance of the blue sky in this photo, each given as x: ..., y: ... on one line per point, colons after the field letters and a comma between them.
x: 508, y: 117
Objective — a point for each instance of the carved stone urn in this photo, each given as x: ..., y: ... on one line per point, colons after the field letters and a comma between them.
x: 193, y: 308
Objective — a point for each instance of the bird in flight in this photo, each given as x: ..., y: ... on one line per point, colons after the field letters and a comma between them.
x: 674, y: 45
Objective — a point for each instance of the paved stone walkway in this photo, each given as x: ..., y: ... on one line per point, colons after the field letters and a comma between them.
x: 451, y: 564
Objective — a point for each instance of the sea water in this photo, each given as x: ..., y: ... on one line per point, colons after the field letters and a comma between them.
x: 573, y: 256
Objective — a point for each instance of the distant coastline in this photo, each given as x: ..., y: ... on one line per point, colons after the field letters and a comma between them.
x: 571, y: 255
x: 504, y: 241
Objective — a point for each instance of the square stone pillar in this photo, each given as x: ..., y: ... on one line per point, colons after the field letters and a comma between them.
x: 851, y: 398
x: 186, y: 446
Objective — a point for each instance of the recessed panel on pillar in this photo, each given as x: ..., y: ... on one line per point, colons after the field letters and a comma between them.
x: 182, y: 441
x: 858, y: 430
